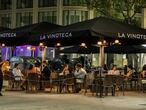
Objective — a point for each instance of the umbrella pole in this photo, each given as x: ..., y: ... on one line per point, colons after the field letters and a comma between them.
x: 101, y: 63
x: 101, y: 55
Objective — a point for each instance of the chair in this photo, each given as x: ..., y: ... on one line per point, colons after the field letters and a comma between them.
x: 54, y: 81
x: 109, y: 83
x: 32, y: 82
x: 68, y: 82
x: 119, y: 84
x: 17, y: 82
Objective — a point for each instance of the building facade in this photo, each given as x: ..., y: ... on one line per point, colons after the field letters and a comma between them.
x: 16, y: 13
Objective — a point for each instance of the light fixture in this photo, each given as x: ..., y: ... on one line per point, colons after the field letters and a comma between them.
x: 99, y: 43
x: 21, y: 50
x: 3, y: 44
x: 116, y: 42
x: 41, y: 44
x: 58, y: 44
x: 144, y: 45
x: 83, y: 44
x: 28, y: 48
x: 104, y: 42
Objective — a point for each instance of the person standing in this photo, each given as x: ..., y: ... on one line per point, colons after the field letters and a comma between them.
x: 1, y: 79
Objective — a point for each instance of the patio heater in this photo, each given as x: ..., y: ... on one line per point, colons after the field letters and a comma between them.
x: 102, y: 45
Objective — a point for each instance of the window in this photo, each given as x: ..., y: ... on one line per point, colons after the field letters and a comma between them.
x: 47, y: 3
x: 23, y: 19
x: 5, y: 4
x: 48, y: 16
x: 24, y: 4
x: 73, y: 16
x: 5, y: 20
x: 74, y: 2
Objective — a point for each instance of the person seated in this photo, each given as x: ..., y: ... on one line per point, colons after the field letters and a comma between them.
x: 46, y: 71
x: 143, y: 75
x: 79, y: 74
x: 129, y: 73
x: 65, y: 70
x: 114, y: 71
x: 143, y: 72
x: 18, y: 76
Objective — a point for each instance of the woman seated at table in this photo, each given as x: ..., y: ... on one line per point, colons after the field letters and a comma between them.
x: 114, y: 71
x: 129, y: 73
x: 66, y: 70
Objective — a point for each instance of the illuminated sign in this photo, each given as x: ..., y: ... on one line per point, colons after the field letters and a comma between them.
x: 8, y: 35
x: 132, y: 36
x: 56, y: 35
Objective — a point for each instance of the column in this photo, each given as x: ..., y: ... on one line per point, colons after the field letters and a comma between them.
x: 143, y: 22
x: 13, y: 19
x: 59, y: 11
x: 35, y: 11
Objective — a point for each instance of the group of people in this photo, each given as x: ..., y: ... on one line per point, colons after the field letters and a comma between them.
x: 43, y: 72
x: 115, y: 71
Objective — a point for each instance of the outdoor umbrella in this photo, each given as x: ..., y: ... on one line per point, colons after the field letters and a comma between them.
x: 91, y: 31
x: 4, y: 29
x: 117, y: 49
x: 19, y: 36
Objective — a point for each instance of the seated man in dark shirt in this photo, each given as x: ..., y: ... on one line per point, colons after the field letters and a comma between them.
x: 46, y: 71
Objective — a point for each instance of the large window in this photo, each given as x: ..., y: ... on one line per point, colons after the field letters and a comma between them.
x: 47, y: 3
x: 73, y: 16
x: 5, y: 20
x: 48, y: 16
x: 24, y: 4
x: 5, y: 4
x: 23, y: 19
x: 74, y: 2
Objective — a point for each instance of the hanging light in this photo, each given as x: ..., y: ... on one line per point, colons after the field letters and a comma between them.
x: 3, y: 44
x: 41, y: 44
x: 58, y: 44
x: 83, y: 44
x: 104, y: 42
x: 28, y: 48
x: 99, y: 43
x: 116, y: 42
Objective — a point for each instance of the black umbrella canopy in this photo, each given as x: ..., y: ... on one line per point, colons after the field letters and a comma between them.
x: 4, y: 29
x: 91, y: 31
x: 80, y: 49
x: 20, y: 36
x: 117, y: 49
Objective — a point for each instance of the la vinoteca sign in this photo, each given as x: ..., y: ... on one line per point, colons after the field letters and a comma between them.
x: 56, y: 35
x: 4, y: 35
x: 132, y: 36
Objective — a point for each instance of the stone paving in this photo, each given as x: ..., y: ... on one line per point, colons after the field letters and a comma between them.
x: 49, y: 101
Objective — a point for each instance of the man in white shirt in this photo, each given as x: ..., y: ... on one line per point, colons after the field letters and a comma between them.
x: 80, y: 73
x: 17, y: 72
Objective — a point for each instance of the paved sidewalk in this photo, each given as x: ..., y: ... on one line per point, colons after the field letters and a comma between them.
x: 47, y: 101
